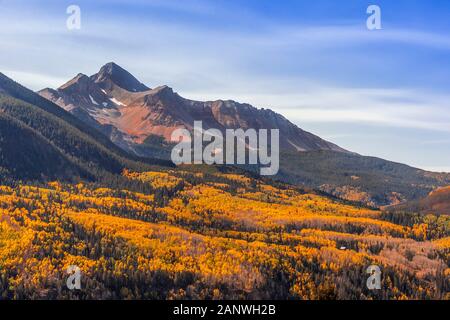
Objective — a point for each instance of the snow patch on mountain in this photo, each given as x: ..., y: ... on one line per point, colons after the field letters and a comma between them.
x: 93, y: 101
x: 117, y: 102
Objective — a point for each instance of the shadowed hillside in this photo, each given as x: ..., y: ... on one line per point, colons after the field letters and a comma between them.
x: 370, y: 180
x: 437, y: 202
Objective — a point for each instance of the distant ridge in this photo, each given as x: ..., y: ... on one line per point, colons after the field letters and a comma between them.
x: 437, y: 202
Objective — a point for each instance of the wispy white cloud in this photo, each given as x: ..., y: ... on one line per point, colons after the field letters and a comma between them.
x: 436, y: 142
x: 344, y: 35
x: 35, y: 80
x: 187, y: 6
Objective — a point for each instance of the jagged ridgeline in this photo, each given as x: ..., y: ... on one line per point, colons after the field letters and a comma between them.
x: 40, y: 140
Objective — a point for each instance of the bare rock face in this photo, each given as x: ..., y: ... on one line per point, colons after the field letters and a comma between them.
x: 112, y: 75
x: 115, y: 102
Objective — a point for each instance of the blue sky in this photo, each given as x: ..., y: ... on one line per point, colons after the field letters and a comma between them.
x: 383, y: 93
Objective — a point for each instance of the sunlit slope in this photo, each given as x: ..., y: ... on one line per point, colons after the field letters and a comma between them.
x: 204, y: 235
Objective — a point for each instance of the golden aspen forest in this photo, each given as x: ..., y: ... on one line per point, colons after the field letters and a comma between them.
x: 225, y: 159
x: 210, y: 234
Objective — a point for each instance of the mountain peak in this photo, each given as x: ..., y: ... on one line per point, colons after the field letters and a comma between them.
x: 112, y: 73
x: 112, y: 68
x: 163, y: 89
x: 80, y: 79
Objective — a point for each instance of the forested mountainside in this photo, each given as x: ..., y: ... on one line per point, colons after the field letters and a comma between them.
x: 437, y: 202
x: 25, y: 154
x: 13, y: 89
x: 200, y: 233
x: 373, y: 181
